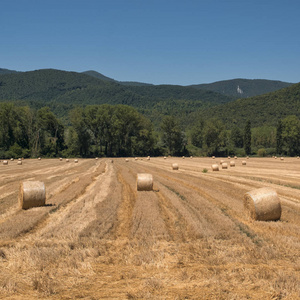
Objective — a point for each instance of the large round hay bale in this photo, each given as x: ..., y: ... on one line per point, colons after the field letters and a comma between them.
x: 5, y: 162
x: 144, y: 182
x: 19, y: 162
x: 263, y: 204
x: 232, y: 163
x: 222, y: 161
x: 215, y: 167
x: 175, y: 166
x: 32, y: 194
x: 244, y: 163
x: 224, y: 165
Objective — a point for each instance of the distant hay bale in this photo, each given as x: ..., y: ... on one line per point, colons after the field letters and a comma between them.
x: 148, y: 158
x: 191, y: 157
x: 67, y: 160
x: 224, y: 165
x: 165, y: 157
x: 228, y: 157
x: 183, y: 157
x: 263, y: 204
x: 281, y: 158
x: 297, y: 157
x: 12, y: 159
x: 112, y: 161
x: 247, y: 157
x: 39, y: 158
x: 135, y: 158
x: 32, y: 194
x: 144, y: 182
x: 213, y: 157
x: 222, y: 161
x: 19, y: 159
x: 215, y: 167
x: 244, y: 163
x: 127, y: 160
x: 76, y: 161
x: 5, y: 162
x: 175, y: 166
x: 235, y: 157
x: 60, y: 159
x: 96, y: 158
x: 232, y: 163
x: 19, y: 162
x: 275, y: 157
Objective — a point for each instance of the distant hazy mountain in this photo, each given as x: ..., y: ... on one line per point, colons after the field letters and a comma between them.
x: 6, y: 71
x: 243, y: 88
x: 102, y: 77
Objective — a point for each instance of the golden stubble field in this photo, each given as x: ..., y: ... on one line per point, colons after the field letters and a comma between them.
x: 189, y: 238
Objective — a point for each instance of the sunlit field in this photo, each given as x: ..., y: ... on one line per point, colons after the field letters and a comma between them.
x: 97, y: 237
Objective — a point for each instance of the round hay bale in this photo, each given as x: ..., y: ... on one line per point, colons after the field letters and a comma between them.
x: 39, y: 158
x: 224, y: 165
x: 165, y: 157
x: 235, y: 157
x: 213, y: 157
x: 19, y: 162
x: 67, y: 160
x: 5, y: 162
x: 60, y: 159
x: 275, y: 157
x: 247, y: 157
x: 222, y: 161
x: 12, y: 159
x: 228, y: 157
x: 183, y: 157
x: 127, y: 160
x: 263, y: 204
x: 135, y: 158
x: 297, y: 157
x: 32, y: 194
x: 144, y: 182
x: 76, y: 161
x: 281, y: 158
x: 232, y: 163
x: 112, y: 161
x: 19, y: 159
x: 175, y: 166
x: 215, y: 167
x: 244, y: 163
x: 96, y: 158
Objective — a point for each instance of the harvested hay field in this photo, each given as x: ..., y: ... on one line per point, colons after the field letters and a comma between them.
x: 97, y: 237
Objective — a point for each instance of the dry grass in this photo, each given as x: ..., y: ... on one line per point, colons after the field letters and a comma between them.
x: 189, y: 238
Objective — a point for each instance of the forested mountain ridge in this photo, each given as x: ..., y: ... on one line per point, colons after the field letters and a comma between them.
x: 243, y: 88
x: 266, y: 109
x: 6, y: 71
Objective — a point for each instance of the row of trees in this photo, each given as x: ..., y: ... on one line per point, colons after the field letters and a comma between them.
x: 119, y: 130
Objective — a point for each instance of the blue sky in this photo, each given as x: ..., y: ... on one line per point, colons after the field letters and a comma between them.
x: 161, y: 42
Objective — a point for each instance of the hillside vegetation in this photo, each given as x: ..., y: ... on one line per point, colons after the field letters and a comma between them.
x: 243, y: 88
x: 261, y: 110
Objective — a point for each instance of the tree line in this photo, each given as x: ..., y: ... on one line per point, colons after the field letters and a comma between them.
x: 120, y: 130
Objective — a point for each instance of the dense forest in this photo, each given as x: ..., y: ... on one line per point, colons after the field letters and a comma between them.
x: 120, y: 130
x: 56, y: 113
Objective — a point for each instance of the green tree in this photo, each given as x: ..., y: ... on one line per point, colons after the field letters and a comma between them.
x: 197, y: 134
x: 172, y: 135
x: 247, y: 137
x: 214, y: 136
x: 236, y: 137
x: 279, y: 139
x: 291, y: 135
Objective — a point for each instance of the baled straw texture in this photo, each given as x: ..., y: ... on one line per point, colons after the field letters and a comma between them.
x: 213, y: 157
x: 32, y: 194
x: 222, y: 161
x: 232, y: 163
x: 175, y: 166
x: 76, y: 161
x: 67, y: 160
x: 144, y: 182
x: 244, y: 163
x: 5, y: 162
x: 60, y: 159
x: 19, y: 162
x: 215, y: 167
x: 224, y: 166
x: 263, y: 204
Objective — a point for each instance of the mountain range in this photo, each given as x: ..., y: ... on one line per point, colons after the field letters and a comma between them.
x: 233, y: 101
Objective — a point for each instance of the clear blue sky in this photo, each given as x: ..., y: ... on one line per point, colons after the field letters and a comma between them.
x: 156, y: 41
